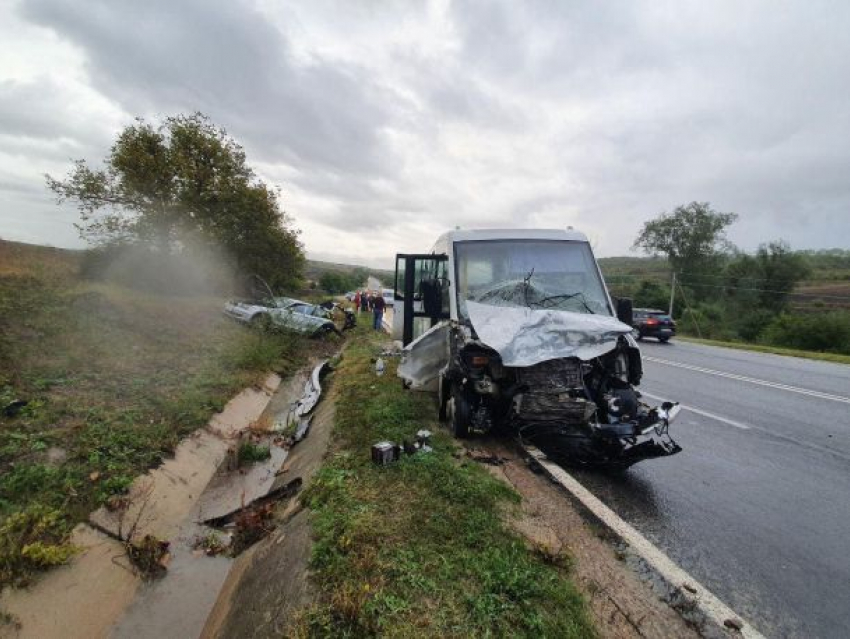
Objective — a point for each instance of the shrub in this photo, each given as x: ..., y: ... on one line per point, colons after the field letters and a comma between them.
x: 32, y: 539
x: 829, y: 332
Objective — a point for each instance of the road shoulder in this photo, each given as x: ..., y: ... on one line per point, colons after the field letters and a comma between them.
x: 622, y: 605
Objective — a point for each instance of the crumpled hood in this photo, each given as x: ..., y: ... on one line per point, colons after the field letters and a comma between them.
x: 526, y: 336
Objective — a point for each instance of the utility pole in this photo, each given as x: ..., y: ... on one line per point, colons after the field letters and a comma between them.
x: 672, y: 295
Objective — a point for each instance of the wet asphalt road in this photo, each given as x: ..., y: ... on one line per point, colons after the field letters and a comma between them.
x: 757, y: 506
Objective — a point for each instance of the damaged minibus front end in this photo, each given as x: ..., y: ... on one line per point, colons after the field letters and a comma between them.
x: 523, y: 339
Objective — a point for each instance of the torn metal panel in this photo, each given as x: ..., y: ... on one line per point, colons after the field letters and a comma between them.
x: 302, y: 430
x: 526, y: 336
x: 312, y: 390
x: 424, y: 358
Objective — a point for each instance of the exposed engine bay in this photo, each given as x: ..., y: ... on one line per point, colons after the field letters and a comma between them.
x: 581, y: 411
x: 584, y: 413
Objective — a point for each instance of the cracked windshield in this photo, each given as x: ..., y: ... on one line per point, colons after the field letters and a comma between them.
x: 558, y: 275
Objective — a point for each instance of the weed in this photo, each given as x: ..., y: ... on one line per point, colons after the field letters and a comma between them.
x: 211, y: 544
x: 249, y: 452
x: 30, y: 540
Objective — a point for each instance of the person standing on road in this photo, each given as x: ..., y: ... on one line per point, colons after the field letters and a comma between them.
x: 364, y: 301
x: 356, y: 301
x: 378, y: 306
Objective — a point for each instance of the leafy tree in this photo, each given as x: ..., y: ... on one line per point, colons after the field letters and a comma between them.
x: 692, y: 237
x: 652, y: 295
x: 765, y: 279
x: 184, y: 179
x: 339, y: 282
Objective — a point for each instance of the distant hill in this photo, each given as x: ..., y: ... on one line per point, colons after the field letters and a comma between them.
x: 17, y: 258
x: 314, y: 269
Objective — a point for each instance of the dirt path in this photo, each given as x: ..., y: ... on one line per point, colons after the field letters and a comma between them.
x: 622, y: 604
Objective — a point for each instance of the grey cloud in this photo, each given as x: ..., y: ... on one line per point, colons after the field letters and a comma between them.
x: 226, y: 59
x: 600, y: 115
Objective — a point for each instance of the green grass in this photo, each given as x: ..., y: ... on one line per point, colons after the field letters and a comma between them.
x: 249, y: 452
x: 419, y: 548
x: 113, y: 379
x: 775, y: 350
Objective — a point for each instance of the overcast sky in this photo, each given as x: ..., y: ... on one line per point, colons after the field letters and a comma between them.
x: 386, y: 123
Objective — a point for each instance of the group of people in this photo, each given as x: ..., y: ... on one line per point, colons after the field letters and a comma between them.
x: 365, y: 301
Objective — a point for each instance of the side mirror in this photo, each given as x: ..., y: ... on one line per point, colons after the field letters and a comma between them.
x: 624, y: 311
x: 432, y: 297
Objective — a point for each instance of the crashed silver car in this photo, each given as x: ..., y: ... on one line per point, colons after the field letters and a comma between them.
x: 515, y: 330
x: 283, y: 312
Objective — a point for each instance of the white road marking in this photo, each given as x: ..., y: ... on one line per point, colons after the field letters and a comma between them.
x: 704, y: 413
x: 753, y: 380
x: 714, y: 611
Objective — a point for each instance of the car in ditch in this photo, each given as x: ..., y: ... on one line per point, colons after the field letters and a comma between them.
x: 264, y: 310
x: 283, y: 312
x: 515, y: 331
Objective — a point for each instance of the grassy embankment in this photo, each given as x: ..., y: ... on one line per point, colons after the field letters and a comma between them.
x: 420, y: 548
x: 112, y: 379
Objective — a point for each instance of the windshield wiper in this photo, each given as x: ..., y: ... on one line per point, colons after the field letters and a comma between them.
x: 527, y: 285
x: 564, y: 297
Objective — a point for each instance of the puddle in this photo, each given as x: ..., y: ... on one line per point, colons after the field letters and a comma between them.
x: 228, y: 491
x: 77, y: 601
x: 178, y: 604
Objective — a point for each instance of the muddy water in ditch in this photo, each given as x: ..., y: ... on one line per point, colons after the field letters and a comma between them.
x: 97, y: 594
x: 178, y: 604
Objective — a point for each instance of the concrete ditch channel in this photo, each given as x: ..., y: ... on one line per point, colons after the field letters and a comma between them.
x: 197, y: 496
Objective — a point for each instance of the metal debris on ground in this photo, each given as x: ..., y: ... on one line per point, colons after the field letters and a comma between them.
x: 484, y: 457
x: 386, y: 452
x: 312, y: 390
x: 301, y: 407
x: 302, y: 430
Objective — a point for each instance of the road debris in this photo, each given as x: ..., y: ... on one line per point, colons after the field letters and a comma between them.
x: 483, y: 457
x: 735, y: 624
x: 302, y: 430
x: 386, y: 452
x: 149, y: 556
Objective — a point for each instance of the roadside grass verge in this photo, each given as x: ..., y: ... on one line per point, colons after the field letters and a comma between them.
x: 419, y: 547
x: 775, y: 350
x: 112, y: 379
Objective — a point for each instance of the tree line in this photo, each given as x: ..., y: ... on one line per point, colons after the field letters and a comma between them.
x: 725, y: 293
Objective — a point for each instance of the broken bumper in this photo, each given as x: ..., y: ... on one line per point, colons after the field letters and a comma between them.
x: 613, y: 446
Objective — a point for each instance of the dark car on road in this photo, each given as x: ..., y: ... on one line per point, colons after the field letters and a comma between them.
x: 650, y: 322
